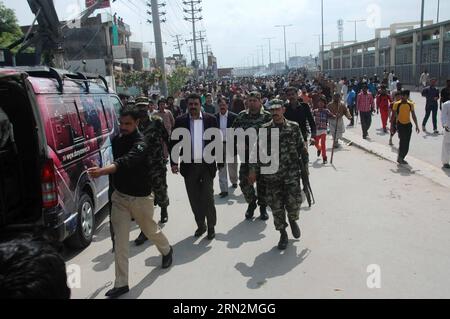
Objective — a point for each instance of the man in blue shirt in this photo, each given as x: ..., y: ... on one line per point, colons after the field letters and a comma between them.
x: 431, y: 93
x: 351, y: 104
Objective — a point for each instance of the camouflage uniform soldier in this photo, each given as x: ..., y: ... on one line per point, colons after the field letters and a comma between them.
x: 284, y: 185
x: 254, y: 118
x: 152, y: 127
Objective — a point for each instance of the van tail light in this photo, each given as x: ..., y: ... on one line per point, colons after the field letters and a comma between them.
x: 49, y: 188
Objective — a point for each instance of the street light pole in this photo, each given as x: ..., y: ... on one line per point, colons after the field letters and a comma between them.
x: 270, y: 50
x: 355, y: 22
x: 323, y: 41
x: 284, y: 26
x: 421, y: 36
x: 438, y: 10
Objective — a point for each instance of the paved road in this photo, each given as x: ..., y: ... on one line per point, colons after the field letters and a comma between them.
x: 368, y: 212
x: 425, y: 146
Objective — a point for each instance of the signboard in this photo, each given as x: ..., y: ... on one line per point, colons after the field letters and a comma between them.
x: 104, y: 4
x: 119, y: 52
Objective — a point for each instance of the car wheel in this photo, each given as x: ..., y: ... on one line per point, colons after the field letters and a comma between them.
x: 82, y: 237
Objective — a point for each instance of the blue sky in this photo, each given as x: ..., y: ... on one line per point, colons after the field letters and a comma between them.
x: 235, y: 29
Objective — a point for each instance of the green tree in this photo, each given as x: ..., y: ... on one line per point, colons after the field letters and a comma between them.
x: 9, y: 27
x: 143, y: 80
x: 178, y: 79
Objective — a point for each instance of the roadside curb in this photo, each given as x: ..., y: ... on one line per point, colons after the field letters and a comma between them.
x: 416, y: 166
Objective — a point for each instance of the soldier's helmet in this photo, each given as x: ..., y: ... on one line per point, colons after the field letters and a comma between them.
x: 275, y: 104
x: 142, y: 99
x: 142, y: 105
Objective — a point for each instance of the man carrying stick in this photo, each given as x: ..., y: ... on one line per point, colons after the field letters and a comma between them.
x: 337, y: 126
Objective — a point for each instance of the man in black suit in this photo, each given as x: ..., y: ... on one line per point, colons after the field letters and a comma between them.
x: 198, y: 175
x: 226, y: 119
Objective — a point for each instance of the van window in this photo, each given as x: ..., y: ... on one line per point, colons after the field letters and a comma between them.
x: 65, y: 123
x: 117, y: 105
x: 92, y: 117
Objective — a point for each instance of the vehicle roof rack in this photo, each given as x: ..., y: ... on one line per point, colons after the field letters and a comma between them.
x: 59, y: 75
x: 86, y: 78
x: 45, y: 72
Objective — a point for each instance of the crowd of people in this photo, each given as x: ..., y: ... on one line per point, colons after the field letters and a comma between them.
x: 303, y: 108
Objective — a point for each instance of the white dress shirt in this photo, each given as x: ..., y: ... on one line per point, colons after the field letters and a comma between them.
x: 224, y: 125
x: 197, y: 138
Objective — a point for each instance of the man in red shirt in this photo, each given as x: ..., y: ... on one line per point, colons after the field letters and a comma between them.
x: 383, y: 102
x: 366, y: 106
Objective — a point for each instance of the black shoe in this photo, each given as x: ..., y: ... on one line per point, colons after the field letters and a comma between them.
x: 164, y: 216
x: 446, y: 166
x: 295, y: 229
x: 223, y: 194
x: 319, y: 152
x: 141, y: 239
x: 117, y: 292
x: 199, y: 232
x: 211, y: 233
x: 263, y: 211
x: 325, y: 161
x: 402, y: 161
x: 167, y: 260
x: 235, y: 186
x: 284, y: 240
x: 251, y: 210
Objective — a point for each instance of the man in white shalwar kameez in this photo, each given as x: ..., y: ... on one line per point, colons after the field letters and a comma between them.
x: 446, y: 143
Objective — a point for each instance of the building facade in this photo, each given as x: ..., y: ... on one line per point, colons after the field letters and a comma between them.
x: 398, y: 52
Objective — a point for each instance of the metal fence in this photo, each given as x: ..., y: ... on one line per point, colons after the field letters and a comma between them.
x: 408, y: 74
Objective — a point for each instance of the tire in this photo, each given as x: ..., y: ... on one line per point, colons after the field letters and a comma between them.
x: 82, y: 237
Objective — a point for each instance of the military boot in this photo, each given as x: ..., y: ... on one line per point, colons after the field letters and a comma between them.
x: 251, y: 210
x: 295, y: 229
x: 263, y: 211
x: 284, y: 240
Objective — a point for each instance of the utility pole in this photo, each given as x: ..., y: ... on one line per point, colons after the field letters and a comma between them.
x: 196, y: 56
x: 190, y: 51
x: 158, y: 43
x: 284, y: 26
x: 355, y: 22
x: 193, y: 10
x: 201, y: 39
x: 179, y: 45
x: 270, y: 50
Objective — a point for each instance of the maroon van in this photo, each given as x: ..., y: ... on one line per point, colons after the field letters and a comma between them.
x: 54, y: 125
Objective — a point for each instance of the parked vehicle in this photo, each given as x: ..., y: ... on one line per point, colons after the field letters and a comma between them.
x: 61, y: 124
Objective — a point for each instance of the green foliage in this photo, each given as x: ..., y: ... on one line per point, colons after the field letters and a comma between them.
x: 177, y: 80
x: 9, y: 27
x: 143, y: 80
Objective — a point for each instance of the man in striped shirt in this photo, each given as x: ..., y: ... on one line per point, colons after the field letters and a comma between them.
x: 366, y: 106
